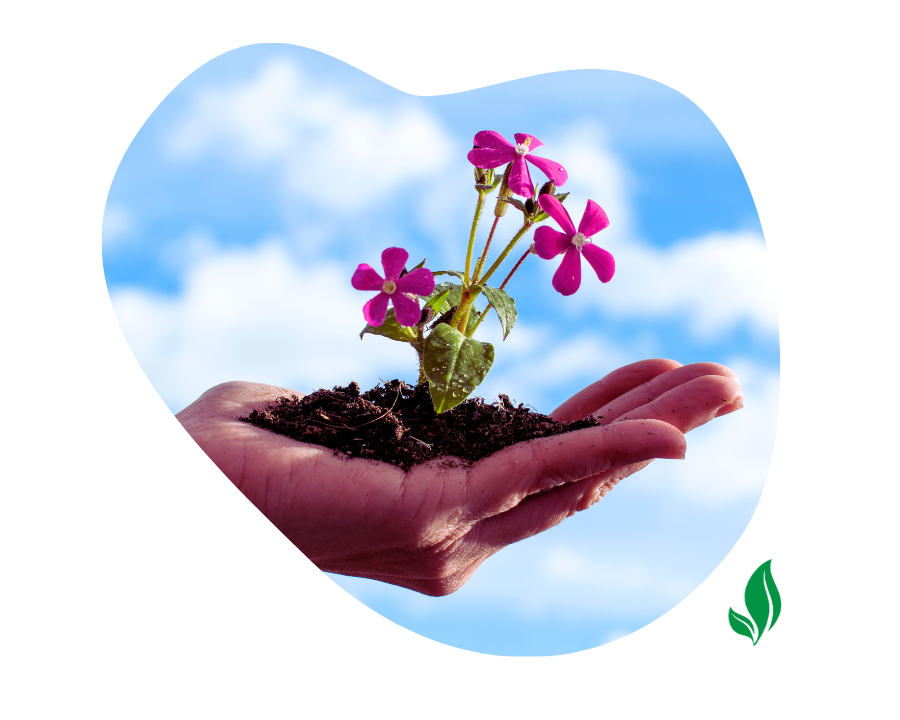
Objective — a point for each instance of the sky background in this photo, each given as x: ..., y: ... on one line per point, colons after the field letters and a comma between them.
x: 245, y: 202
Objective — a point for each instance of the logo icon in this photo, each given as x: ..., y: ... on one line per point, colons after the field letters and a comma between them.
x: 763, y: 603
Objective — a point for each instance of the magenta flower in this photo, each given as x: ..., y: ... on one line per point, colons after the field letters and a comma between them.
x: 494, y: 150
x: 548, y: 243
x: 393, y: 288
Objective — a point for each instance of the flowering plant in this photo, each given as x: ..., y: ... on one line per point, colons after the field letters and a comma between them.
x: 450, y: 361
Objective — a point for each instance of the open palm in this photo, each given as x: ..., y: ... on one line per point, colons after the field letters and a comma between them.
x: 429, y: 528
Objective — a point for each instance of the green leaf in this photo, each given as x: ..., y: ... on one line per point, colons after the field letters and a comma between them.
x: 518, y: 204
x: 740, y: 624
x: 773, y: 593
x: 390, y: 328
x: 454, y: 365
x: 505, y: 307
x: 450, y: 272
x: 761, y: 602
x: 436, y: 299
x: 450, y: 301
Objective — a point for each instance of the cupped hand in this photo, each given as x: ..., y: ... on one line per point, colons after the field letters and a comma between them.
x: 429, y: 528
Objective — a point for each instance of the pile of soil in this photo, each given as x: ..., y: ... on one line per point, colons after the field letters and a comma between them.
x: 396, y: 423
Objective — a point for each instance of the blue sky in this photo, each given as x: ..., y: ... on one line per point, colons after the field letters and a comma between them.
x: 246, y: 200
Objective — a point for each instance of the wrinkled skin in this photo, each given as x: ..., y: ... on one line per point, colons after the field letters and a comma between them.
x: 429, y: 528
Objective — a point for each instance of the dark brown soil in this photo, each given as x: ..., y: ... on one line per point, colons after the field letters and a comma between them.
x: 396, y: 423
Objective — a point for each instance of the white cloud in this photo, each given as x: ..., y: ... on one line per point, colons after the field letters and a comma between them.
x: 326, y: 147
x: 538, y: 577
x: 718, y: 281
x: 595, y: 173
x: 256, y: 315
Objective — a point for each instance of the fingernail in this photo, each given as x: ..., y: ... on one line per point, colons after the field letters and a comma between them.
x: 730, y: 407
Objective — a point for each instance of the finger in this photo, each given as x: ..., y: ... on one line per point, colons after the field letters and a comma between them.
x: 731, y: 407
x: 502, y: 480
x: 542, y: 511
x: 605, y: 390
x: 691, y: 404
x: 659, y: 385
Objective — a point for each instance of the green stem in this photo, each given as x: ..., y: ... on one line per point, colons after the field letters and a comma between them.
x: 499, y: 261
x: 478, y: 322
x: 478, y: 208
x: 480, y: 264
x: 502, y: 285
x: 464, y: 320
x: 419, y: 346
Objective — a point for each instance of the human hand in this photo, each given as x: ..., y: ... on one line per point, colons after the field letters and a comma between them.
x: 682, y: 396
x: 429, y: 528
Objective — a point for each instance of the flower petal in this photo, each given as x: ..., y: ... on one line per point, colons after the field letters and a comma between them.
x: 418, y: 282
x: 393, y: 259
x: 520, y: 178
x: 533, y: 145
x: 493, y: 140
x: 602, y: 261
x: 406, y: 310
x: 567, y: 278
x: 375, y: 310
x: 553, y: 170
x: 490, y: 158
x: 554, y: 208
x: 366, y: 278
x: 593, y: 221
x: 548, y: 243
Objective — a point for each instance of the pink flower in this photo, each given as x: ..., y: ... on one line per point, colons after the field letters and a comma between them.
x: 393, y: 288
x: 548, y: 243
x: 494, y: 150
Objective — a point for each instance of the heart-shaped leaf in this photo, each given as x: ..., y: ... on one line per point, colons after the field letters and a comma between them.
x: 454, y: 365
x: 505, y: 307
x: 390, y: 328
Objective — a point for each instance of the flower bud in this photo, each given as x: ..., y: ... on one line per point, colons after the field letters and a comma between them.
x: 548, y: 187
x: 427, y: 315
x: 500, y: 209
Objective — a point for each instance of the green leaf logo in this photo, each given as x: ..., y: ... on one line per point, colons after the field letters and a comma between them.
x: 763, y: 603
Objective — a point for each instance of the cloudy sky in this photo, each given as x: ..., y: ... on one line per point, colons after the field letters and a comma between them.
x: 241, y: 209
